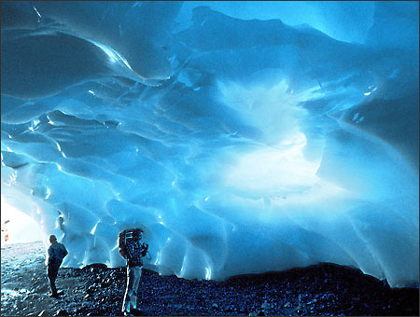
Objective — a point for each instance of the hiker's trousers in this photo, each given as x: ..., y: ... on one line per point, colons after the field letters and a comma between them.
x: 52, y: 276
x: 131, y: 293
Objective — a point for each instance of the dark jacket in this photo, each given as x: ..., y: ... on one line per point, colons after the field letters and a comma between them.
x: 56, y: 254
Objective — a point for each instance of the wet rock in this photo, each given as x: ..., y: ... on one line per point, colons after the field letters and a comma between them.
x: 106, y: 283
x: 98, y: 291
x: 24, y: 291
x: 91, y: 289
x: 101, y: 301
x: 300, y: 310
x: 96, y: 267
x: 230, y: 309
x: 243, y: 311
x: 287, y: 305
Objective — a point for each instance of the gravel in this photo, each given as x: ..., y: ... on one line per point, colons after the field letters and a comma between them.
x: 324, y: 289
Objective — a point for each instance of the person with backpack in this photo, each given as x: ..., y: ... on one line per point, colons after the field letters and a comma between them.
x: 133, y: 250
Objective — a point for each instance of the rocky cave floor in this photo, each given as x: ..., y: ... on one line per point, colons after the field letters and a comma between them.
x: 96, y: 290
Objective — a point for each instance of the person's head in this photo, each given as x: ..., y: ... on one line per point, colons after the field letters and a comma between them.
x: 53, y: 238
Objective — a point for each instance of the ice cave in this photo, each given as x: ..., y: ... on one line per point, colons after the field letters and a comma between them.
x: 243, y: 137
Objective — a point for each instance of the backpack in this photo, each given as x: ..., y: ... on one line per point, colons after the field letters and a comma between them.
x: 130, y: 241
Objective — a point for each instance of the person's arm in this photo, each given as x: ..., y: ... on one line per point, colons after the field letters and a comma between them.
x: 49, y: 255
x: 145, y: 247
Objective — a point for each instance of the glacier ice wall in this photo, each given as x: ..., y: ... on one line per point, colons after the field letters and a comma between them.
x: 243, y: 137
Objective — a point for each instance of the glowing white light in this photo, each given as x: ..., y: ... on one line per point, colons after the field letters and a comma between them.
x: 12, y: 179
x: 124, y: 60
x: 92, y: 232
x: 114, y: 56
x: 208, y: 273
x: 21, y: 227
x: 281, y: 169
x: 270, y: 109
x: 37, y: 12
x: 371, y: 88
x: 48, y: 193
x: 157, y: 259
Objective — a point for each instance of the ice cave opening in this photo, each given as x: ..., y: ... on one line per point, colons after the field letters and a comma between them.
x: 286, y: 133
x: 18, y: 226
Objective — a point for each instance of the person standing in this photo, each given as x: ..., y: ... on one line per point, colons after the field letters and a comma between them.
x: 133, y: 250
x: 56, y: 254
x: 4, y: 234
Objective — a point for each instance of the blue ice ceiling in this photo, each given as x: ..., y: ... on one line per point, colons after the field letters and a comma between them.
x: 243, y: 137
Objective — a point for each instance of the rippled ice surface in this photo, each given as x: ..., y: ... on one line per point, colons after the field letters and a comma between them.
x: 238, y: 142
